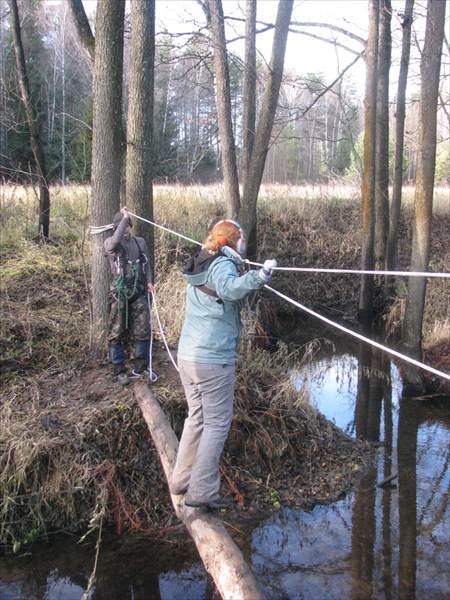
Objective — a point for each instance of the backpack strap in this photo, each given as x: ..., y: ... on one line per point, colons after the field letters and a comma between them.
x: 209, y: 292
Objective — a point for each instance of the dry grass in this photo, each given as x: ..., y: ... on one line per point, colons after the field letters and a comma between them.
x: 72, y: 446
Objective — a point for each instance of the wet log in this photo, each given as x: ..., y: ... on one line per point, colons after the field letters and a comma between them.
x: 221, y: 557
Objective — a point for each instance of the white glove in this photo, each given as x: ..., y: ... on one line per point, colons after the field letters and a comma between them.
x: 266, y: 270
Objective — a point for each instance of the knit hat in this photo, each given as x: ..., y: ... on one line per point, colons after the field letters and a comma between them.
x: 117, y: 218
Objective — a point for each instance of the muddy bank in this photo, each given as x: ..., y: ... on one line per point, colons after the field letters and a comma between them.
x: 75, y: 447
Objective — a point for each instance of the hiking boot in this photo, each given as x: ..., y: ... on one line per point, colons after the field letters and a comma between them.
x: 141, y: 369
x: 121, y: 373
x: 213, y: 504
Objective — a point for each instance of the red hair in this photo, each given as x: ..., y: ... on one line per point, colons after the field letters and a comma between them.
x: 223, y: 234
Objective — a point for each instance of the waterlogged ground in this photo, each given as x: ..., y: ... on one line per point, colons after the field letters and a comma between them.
x: 383, y: 542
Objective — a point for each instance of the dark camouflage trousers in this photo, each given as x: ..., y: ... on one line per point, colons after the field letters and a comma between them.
x: 135, y: 312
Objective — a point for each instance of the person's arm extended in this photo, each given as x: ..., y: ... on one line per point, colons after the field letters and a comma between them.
x: 112, y: 243
x: 229, y: 286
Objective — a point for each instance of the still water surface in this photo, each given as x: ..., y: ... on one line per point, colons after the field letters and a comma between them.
x: 389, y: 542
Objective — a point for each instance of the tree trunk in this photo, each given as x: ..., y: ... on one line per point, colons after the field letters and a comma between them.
x: 247, y: 216
x: 249, y: 93
x: 106, y: 150
x: 3, y: 105
x: 382, y: 133
x: 423, y: 201
x: 407, y: 446
x: 83, y: 26
x: 220, y: 556
x: 223, y: 101
x: 368, y: 191
x: 139, y: 175
x: 394, y: 216
x: 32, y: 120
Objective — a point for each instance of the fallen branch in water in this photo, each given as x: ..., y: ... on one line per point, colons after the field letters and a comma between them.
x: 220, y: 555
x: 387, y: 480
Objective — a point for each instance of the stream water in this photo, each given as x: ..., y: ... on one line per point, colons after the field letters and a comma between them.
x: 390, y: 542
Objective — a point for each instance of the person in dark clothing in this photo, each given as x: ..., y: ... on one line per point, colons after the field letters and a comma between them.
x: 129, y: 307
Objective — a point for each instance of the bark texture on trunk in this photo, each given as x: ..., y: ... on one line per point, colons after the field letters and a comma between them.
x: 423, y: 200
x: 247, y: 216
x: 394, y: 216
x: 106, y: 150
x: 368, y: 190
x: 223, y: 101
x: 382, y: 134
x: 221, y: 557
x: 83, y: 27
x: 139, y: 172
x: 249, y: 100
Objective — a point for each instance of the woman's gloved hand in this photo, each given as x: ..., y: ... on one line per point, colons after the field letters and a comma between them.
x: 266, y: 271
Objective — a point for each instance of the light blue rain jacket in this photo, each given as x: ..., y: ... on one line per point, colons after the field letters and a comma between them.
x: 211, y: 329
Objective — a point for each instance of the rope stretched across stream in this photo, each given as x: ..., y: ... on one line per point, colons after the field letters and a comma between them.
x: 404, y: 357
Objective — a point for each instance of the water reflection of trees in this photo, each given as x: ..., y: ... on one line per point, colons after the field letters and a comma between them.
x: 374, y: 401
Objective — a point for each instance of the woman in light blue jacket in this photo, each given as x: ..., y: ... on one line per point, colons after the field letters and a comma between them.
x: 207, y: 357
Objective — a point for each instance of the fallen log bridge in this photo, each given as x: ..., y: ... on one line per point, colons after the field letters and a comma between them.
x: 221, y: 557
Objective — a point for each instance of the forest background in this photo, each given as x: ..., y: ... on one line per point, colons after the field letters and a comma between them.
x: 318, y: 132
x: 87, y: 105
x: 182, y: 105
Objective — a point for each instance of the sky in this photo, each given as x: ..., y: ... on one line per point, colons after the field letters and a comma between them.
x: 303, y: 54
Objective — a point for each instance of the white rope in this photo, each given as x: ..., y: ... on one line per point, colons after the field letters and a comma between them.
x: 153, y: 376
x: 102, y: 228
x: 361, y: 337
x: 162, y: 333
x: 357, y: 271
x: 165, y: 229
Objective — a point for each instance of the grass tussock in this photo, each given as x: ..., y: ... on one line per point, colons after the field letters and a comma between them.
x: 64, y: 457
x: 73, y: 447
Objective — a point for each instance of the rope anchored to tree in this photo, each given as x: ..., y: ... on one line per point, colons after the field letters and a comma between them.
x: 404, y: 357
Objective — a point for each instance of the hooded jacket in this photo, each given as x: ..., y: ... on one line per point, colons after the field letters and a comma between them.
x: 212, y: 326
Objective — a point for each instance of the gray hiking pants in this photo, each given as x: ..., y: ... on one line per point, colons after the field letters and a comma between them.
x: 209, y: 390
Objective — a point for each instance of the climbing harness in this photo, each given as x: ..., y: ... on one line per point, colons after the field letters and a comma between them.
x: 127, y: 287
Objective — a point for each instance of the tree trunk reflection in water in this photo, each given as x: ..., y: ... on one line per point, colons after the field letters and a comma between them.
x: 407, y: 496
x: 363, y: 537
x: 374, y: 386
x: 386, y: 499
